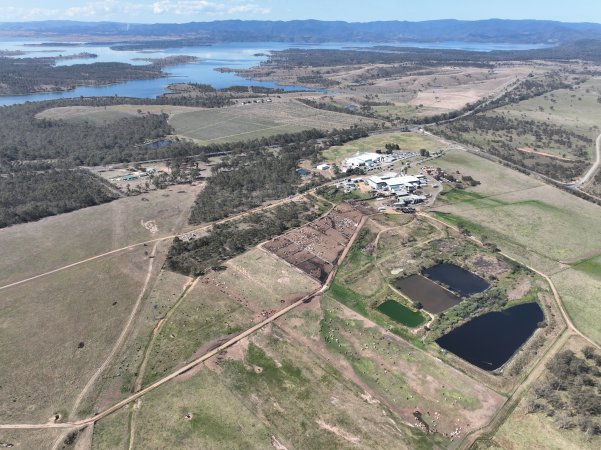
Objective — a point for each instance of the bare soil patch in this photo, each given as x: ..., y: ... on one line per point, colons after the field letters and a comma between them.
x: 338, y: 431
x: 548, y: 155
x: 316, y: 247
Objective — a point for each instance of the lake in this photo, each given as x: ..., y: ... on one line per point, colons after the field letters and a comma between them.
x: 401, y: 314
x: 434, y: 298
x: 490, y: 340
x: 232, y: 55
x: 458, y: 279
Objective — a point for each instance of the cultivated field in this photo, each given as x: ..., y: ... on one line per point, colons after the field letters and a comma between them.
x: 102, y: 115
x: 256, y: 120
x: 536, y: 223
x: 238, y: 122
x: 447, y: 89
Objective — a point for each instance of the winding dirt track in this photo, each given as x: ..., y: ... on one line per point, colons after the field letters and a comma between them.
x: 595, y: 167
x: 83, y: 422
x: 122, y: 336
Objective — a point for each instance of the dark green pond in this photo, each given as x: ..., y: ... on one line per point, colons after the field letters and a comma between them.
x: 401, y: 314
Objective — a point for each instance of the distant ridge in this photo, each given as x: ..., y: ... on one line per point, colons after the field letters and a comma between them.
x: 491, y: 30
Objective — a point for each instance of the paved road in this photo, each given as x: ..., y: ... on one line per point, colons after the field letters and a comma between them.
x: 595, y: 167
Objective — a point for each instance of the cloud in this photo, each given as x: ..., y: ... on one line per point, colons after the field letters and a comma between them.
x: 123, y: 10
x: 191, y: 7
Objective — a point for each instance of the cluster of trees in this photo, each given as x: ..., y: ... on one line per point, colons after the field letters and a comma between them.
x: 493, y: 298
x: 25, y: 137
x: 27, y: 75
x: 363, y: 111
x: 31, y: 195
x: 499, y: 132
x: 250, y: 176
x: 232, y: 238
x: 571, y: 391
x: 317, y: 79
x: 87, y: 143
x: 587, y: 50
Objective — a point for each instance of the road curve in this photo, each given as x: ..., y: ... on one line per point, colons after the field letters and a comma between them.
x: 595, y: 167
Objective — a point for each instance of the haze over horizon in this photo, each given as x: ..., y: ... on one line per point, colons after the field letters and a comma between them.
x: 182, y: 11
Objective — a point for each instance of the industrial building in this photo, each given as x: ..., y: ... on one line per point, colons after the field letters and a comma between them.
x: 363, y: 160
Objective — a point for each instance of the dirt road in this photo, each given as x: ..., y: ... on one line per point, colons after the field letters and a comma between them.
x: 538, y: 369
x: 122, y: 336
x: 152, y: 241
x: 83, y: 422
x: 595, y: 167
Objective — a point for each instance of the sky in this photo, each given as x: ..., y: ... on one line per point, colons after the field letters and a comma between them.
x: 153, y: 11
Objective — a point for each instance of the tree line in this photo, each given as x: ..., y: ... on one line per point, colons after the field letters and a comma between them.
x: 233, y: 238
x: 28, y: 75
x: 586, y: 50
x: 500, y: 136
x: 253, y: 175
x: 27, y: 195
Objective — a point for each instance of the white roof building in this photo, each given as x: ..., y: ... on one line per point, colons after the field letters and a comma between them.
x: 363, y: 159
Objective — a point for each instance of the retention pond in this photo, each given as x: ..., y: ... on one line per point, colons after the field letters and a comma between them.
x: 457, y: 279
x: 401, y: 314
x: 490, y: 340
x: 434, y: 298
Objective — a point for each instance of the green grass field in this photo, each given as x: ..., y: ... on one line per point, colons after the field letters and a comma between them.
x: 223, y: 304
x: 410, y: 378
x: 206, y: 315
x: 112, y: 432
x: 407, y: 142
x: 218, y: 418
x: 533, y: 222
x: 305, y: 400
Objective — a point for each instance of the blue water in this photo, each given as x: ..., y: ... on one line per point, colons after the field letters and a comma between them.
x: 457, y: 279
x: 230, y: 55
x: 488, y: 341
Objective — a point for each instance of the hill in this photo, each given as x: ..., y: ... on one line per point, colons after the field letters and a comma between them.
x: 491, y: 30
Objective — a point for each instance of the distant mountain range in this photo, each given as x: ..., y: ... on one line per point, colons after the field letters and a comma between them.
x: 493, y: 30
